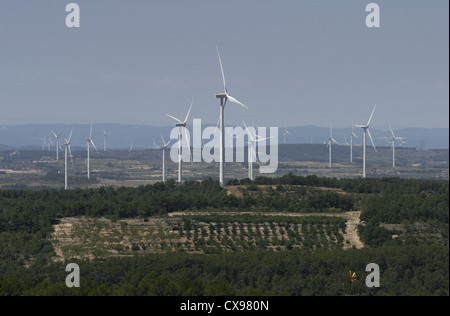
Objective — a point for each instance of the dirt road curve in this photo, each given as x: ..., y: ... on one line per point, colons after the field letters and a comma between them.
x: 351, y: 237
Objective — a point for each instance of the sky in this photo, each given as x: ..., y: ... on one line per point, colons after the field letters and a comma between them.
x: 291, y: 62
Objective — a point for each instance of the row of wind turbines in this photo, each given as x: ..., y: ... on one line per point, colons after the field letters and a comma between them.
x: 366, y: 129
x: 68, y: 151
x: 224, y: 97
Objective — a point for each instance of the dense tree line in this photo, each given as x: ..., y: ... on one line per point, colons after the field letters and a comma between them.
x: 368, y: 185
x: 409, y: 270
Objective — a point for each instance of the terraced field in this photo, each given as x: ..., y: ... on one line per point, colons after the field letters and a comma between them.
x: 89, y: 238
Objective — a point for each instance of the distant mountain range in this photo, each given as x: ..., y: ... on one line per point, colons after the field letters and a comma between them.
x: 141, y: 137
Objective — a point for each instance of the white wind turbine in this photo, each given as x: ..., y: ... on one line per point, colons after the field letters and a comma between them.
x: 285, y: 134
x: 50, y: 142
x: 44, y: 143
x: 67, y: 151
x: 224, y: 97
x: 331, y: 140
x: 253, y: 139
x: 352, y: 135
x: 392, y: 142
x: 57, y: 144
x: 367, y: 132
x: 163, y: 147
x: 105, y: 136
x: 182, y: 126
x: 89, y: 141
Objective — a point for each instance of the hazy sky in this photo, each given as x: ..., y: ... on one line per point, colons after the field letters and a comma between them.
x: 291, y: 62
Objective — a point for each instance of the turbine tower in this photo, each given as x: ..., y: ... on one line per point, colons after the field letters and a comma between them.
x: 367, y: 132
x: 392, y: 142
x: 57, y: 144
x: 163, y: 147
x: 66, y: 151
x: 89, y: 141
x: 224, y: 97
x: 352, y: 135
x: 182, y: 126
x: 253, y: 139
x: 105, y: 136
x: 331, y: 140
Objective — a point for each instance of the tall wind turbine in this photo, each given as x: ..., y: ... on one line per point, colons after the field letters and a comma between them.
x: 57, y: 144
x: 352, y: 135
x: 89, y: 141
x: 163, y: 147
x: 105, y: 136
x: 331, y: 140
x: 224, y: 97
x: 67, y: 150
x: 367, y: 132
x: 253, y: 139
x: 182, y: 126
x: 392, y: 142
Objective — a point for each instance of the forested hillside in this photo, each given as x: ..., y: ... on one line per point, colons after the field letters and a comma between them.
x: 404, y: 227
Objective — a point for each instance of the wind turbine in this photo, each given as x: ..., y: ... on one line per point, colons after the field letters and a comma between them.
x: 50, y: 143
x: 105, y: 136
x: 351, y: 143
x: 392, y: 142
x: 367, y: 132
x: 44, y: 143
x: 182, y: 126
x: 253, y: 139
x: 224, y: 97
x: 57, y: 144
x: 285, y: 133
x: 66, y: 151
x: 331, y: 140
x: 163, y: 147
x: 89, y: 141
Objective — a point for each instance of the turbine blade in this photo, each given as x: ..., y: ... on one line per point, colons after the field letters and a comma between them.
x: 260, y: 139
x: 174, y: 118
x: 236, y: 101
x: 90, y: 135
x: 92, y: 142
x: 70, y: 136
x: 70, y: 153
x: 392, y: 132
x: 371, y: 139
x: 218, y: 122
x: 188, y: 140
x: 189, y: 112
x: 248, y: 132
x: 371, y: 115
x: 221, y: 69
